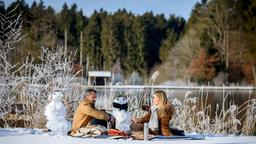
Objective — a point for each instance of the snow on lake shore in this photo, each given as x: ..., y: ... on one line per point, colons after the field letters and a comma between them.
x: 37, y: 136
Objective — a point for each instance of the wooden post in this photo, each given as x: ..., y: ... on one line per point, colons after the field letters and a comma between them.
x: 81, y: 48
x: 65, y: 42
x: 81, y: 54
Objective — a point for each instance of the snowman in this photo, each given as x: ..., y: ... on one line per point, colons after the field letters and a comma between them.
x: 55, y: 113
x: 121, y: 114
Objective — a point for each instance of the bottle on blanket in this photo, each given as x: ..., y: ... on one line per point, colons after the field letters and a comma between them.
x: 146, y: 131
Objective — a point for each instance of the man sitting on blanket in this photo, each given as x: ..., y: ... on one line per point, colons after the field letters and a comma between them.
x: 86, y: 112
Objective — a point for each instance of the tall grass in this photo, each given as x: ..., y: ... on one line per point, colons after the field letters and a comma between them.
x: 193, y: 111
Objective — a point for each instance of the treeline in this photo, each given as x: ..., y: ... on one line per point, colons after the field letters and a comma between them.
x: 217, y: 44
x: 101, y: 40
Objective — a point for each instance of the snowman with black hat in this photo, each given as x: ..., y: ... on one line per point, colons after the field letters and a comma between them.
x: 121, y: 114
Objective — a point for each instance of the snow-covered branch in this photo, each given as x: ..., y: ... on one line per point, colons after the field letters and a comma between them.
x: 10, y: 30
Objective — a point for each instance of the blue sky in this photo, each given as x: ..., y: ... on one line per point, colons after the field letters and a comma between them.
x: 178, y: 7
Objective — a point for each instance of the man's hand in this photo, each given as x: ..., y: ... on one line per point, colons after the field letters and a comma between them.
x: 111, y: 120
x: 134, y: 121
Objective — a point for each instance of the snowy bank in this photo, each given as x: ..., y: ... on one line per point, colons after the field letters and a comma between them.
x: 32, y: 136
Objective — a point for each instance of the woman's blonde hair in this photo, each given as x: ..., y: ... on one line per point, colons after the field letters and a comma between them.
x: 164, y: 107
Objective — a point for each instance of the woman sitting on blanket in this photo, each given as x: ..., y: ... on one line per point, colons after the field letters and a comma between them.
x: 159, y: 115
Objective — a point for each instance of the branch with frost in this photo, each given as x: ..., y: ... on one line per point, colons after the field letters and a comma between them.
x: 10, y: 30
x: 19, y: 81
x: 55, y: 69
x: 10, y: 35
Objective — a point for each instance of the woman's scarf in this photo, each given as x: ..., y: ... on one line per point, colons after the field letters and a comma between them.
x: 153, y: 121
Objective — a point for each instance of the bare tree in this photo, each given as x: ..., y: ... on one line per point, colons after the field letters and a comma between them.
x: 10, y: 35
x: 217, y: 16
x: 180, y: 56
x: 27, y: 83
x: 55, y: 71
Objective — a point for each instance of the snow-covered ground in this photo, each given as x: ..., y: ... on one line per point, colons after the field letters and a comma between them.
x: 37, y: 136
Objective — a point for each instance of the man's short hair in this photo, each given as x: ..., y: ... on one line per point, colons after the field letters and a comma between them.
x: 89, y: 90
